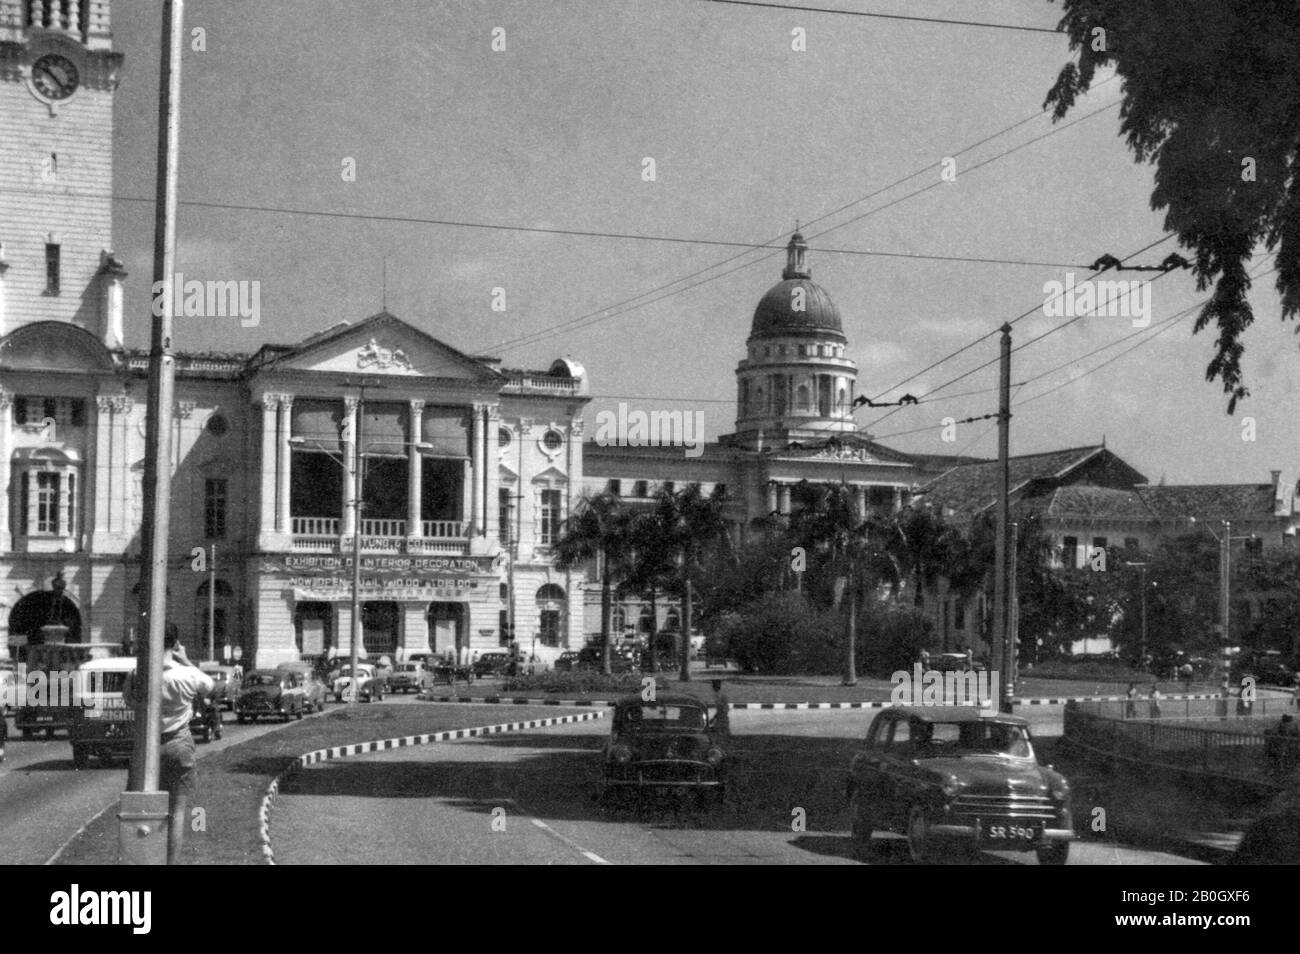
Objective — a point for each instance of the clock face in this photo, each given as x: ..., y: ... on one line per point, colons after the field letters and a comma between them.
x: 54, y: 76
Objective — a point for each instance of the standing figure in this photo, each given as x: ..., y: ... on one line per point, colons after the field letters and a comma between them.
x: 1130, y: 704
x: 1155, y: 701
x: 722, y: 719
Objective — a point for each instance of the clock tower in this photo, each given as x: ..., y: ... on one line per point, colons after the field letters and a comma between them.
x: 58, y: 73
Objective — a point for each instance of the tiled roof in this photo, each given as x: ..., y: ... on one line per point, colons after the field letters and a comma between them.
x: 1085, y: 502
x: 972, y: 487
x: 1213, y: 501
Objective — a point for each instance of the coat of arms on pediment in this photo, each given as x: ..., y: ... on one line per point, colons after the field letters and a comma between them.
x: 373, y: 356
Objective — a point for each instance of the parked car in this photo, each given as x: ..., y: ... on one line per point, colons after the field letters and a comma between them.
x: 620, y: 660
x: 406, y: 677
x: 668, y: 745
x: 955, y: 662
x: 309, y: 681
x: 369, y: 687
x: 107, y: 731
x: 270, y: 692
x: 226, y: 683
x: 566, y: 661
x: 491, y: 664
x: 205, y: 722
x: 961, y: 775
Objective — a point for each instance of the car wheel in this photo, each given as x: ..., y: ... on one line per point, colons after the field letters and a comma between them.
x: 861, y: 825
x: 207, y: 732
x: 919, y: 843
x: 28, y: 733
x: 217, y: 730
x: 298, y: 713
x: 1056, y: 853
x: 80, y: 756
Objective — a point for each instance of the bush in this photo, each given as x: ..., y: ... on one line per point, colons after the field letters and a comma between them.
x: 780, y: 633
x: 582, y: 682
x: 891, y: 637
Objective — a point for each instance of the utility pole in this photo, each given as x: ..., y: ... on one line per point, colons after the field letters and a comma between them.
x: 138, y: 804
x: 1225, y: 585
x: 1003, y: 653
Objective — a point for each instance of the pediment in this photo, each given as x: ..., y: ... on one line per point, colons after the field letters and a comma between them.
x: 384, y: 345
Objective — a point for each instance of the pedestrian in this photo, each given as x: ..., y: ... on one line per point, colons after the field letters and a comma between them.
x: 182, y: 683
x: 1130, y: 705
x: 4, y: 728
x: 1155, y: 701
x: 1187, y: 673
x: 722, y: 717
x: 925, y: 660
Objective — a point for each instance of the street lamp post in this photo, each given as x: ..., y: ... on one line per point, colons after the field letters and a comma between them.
x: 1225, y: 585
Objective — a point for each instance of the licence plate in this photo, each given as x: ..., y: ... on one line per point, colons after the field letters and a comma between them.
x: 1024, y: 833
x: 114, y: 715
x: 44, y: 718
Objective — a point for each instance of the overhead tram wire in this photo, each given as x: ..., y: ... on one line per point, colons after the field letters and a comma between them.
x: 1016, y: 27
x: 1020, y: 317
x: 594, y: 318
x: 1146, y: 334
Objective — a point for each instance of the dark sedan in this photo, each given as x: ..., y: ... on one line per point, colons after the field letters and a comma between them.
x: 662, y: 746
x: 957, y: 774
x: 270, y: 692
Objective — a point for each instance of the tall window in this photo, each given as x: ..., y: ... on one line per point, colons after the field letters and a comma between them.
x: 1070, y: 553
x: 51, y: 269
x: 550, y: 516
x: 549, y: 632
x: 503, y: 514
x: 503, y: 628
x: 47, y: 503
x: 214, y: 508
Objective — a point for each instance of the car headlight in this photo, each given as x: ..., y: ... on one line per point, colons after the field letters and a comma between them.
x: 1060, y: 790
x: 951, y: 787
x: 621, y: 753
x: 713, y: 756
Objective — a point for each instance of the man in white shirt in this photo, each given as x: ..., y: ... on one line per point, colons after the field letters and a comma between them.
x: 182, y: 682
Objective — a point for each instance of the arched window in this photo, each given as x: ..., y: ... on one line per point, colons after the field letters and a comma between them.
x: 643, y: 624
x: 619, y: 621
x: 803, y: 398
x: 551, y: 606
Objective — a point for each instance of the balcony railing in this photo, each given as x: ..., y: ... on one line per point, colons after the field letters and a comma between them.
x: 325, y: 534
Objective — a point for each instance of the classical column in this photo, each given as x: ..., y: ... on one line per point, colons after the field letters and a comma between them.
x: 63, y: 500
x: 284, y: 466
x: 898, y: 499
x: 350, y: 405
x: 415, y: 474
x: 478, y: 464
x: 783, y: 498
x: 6, y: 453
x: 771, y: 496
x: 493, y: 491
x: 103, y: 462
x: 860, y: 501
x: 119, y: 514
x: 267, y: 463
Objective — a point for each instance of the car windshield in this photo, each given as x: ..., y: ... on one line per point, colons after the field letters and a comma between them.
x: 971, y: 738
x: 257, y: 679
x: 664, y: 716
x: 347, y: 671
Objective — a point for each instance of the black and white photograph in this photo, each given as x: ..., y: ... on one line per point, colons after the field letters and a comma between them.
x: 651, y: 432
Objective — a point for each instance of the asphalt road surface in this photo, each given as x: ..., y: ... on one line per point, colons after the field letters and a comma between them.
x: 526, y: 798
x: 45, y: 801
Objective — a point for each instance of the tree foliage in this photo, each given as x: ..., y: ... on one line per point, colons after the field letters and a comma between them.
x: 1212, y: 99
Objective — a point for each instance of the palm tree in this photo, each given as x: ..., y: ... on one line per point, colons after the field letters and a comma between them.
x: 858, y: 553
x: 597, y: 530
x: 650, y: 568
x: 689, y: 522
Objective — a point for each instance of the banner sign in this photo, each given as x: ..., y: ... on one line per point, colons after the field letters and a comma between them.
x: 380, y: 566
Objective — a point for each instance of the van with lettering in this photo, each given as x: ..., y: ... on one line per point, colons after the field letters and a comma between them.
x: 106, y: 730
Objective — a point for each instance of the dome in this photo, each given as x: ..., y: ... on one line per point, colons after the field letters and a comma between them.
x: 796, y: 305
x: 776, y: 315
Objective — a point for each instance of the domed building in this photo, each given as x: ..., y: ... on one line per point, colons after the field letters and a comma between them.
x: 795, y: 383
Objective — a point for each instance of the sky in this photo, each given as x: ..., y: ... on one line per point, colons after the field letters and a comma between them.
x: 748, y: 135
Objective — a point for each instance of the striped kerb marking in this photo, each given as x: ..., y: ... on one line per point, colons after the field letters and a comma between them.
x: 380, y: 745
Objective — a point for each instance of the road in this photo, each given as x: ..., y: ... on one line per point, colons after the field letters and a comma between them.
x: 44, y: 800
x: 527, y: 799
